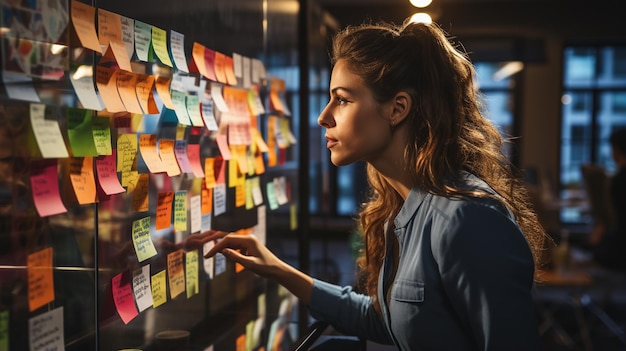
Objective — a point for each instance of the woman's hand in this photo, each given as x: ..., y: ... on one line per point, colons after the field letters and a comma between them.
x: 246, y: 250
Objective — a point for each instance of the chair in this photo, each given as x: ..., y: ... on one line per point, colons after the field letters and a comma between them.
x: 596, y: 184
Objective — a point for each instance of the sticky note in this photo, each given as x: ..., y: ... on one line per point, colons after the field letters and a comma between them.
x: 123, y: 297
x: 40, y: 279
x: 144, y: 247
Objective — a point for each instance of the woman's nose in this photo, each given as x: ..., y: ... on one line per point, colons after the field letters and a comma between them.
x: 325, y: 118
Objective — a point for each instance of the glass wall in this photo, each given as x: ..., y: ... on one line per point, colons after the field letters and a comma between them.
x: 127, y: 129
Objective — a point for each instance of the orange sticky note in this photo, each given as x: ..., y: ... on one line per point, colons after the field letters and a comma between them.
x: 115, y: 54
x: 229, y: 67
x: 167, y: 153
x: 271, y: 142
x: 209, y: 175
x: 277, y: 86
x: 176, y: 273
x: 241, y: 343
x: 149, y: 154
x: 164, y: 210
x: 83, y: 20
x: 163, y: 89
x: 207, y: 200
x: 259, y: 164
x: 220, y: 67
x: 106, y: 80
x: 83, y: 179
x: 197, y: 59
x: 44, y: 181
x: 40, y: 279
x: 109, y: 28
x: 126, y: 87
x: 145, y: 94
x: 241, y: 157
x: 240, y: 195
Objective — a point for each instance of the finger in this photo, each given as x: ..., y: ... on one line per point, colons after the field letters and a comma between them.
x: 196, y: 241
x: 231, y: 241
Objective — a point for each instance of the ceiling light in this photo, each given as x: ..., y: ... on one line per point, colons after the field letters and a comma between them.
x: 420, y: 3
x: 421, y: 17
x: 507, y: 70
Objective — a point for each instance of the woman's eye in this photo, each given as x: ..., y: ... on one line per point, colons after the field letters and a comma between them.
x: 340, y: 100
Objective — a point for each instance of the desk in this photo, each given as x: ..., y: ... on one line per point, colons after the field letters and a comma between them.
x: 557, y: 289
x: 580, y: 293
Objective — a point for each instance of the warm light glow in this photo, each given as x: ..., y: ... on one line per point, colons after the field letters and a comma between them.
x: 83, y: 71
x: 420, y: 3
x: 421, y: 17
x: 4, y: 30
x: 509, y: 69
x: 56, y: 49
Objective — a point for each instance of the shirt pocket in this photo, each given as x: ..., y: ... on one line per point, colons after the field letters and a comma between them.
x: 408, y: 291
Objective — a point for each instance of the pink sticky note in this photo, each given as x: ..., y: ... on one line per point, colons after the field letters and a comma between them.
x: 180, y: 149
x: 193, y: 153
x: 107, y: 174
x: 44, y: 181
x: 123, y: 297
x: 222, y: 144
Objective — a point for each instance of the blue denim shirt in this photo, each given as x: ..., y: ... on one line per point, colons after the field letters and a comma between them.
x: 463, y: 281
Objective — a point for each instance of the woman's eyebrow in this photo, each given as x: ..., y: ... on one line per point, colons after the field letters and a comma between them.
x: 335, y: 89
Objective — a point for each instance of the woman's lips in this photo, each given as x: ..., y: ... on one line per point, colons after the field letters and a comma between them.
x: 330, y: 142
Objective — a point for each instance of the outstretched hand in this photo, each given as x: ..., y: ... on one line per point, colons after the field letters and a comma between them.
x: 244, y: 249
x: 248, y: 251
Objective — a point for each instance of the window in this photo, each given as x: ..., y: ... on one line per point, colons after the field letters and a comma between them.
x: 593, y: 106
x: 496, y: 82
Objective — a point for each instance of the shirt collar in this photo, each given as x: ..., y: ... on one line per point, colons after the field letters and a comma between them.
x: 410, y: 206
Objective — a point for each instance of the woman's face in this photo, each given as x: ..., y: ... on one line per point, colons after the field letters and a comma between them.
x: 357, y: 127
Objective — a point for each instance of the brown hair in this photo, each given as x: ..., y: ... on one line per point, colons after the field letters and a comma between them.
x: 449, y: 133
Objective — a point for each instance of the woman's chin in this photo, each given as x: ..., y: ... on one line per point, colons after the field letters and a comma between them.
x: 340, y: 161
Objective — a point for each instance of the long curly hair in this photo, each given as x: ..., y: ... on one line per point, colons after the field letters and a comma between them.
x: 449, y: 134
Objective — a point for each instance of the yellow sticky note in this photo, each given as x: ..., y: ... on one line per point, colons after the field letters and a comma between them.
x: 144, y: 247
x: 191, y: 273
x: 159, y: 289
x: 176, y: 273
x: 159, y: 44
x: 126, y: 152
x: 180, y: 210
x: 293, y: 216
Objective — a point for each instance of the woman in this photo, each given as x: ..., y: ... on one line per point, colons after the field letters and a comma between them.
x: 450, y: 240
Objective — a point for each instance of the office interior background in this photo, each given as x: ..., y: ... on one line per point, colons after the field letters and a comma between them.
x: 553, y: 73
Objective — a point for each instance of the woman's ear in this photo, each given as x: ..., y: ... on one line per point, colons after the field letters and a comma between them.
x: 401, y: 106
